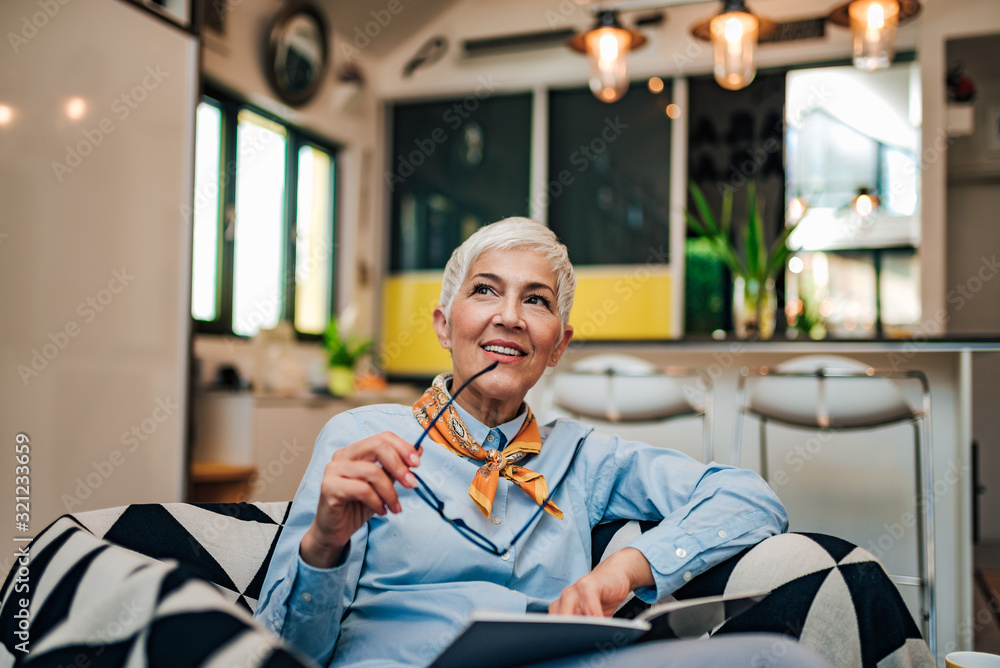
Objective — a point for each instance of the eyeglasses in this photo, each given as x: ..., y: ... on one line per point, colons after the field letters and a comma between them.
x: 467, y: 532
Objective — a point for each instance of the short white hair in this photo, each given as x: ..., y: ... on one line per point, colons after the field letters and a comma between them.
x: 510, y: 234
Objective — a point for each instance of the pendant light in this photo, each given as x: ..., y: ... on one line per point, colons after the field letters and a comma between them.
x: 606, y: 46
x: 873, y: 31
x: 873, y: 26
x: 734, y: 35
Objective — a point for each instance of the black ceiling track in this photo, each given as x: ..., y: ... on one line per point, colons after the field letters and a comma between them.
x: 519, y: 41
x: 791, y: 31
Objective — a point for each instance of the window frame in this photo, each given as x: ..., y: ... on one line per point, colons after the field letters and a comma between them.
x: 230, y: 106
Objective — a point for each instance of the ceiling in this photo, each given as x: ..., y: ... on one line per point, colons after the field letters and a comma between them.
x: 346, y: 16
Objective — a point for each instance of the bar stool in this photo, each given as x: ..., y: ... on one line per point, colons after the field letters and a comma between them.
x: 827, y: 392
x: 617, y: 389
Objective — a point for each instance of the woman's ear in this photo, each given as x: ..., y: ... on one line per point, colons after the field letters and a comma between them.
x: 561, y: 348
x: 441, y: 328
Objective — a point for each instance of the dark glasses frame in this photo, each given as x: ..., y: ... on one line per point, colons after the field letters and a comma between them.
x: 467, y: 532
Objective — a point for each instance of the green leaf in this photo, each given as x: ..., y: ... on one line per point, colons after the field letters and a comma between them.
x: 727, y: 211
x: 753, y: 234
x: 780, y: 251
x: 724, y: 249
x: 742, y: 247
x: 344, y: 350
x: 701, y: 204
x: 694, y: 224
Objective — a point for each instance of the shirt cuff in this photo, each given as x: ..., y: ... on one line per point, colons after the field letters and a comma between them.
x: 676, y: 557
x: 316, y: 590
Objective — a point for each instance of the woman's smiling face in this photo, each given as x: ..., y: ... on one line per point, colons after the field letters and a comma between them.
x: 505, y: 311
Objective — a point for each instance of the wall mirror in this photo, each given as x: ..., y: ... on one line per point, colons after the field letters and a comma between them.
x: 297, y: 54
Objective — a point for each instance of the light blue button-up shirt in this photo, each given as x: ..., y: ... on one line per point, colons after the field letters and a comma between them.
x: 408, y: 581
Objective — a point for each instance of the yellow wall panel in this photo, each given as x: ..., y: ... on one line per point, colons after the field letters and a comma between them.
x: 408, y: 345
x: 621, y: 303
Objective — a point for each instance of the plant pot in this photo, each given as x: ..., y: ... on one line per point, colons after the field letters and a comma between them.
x: 341, y: 381
x: 754, y: 308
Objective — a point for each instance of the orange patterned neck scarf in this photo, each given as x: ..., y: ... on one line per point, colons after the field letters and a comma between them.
x: 450, y: 432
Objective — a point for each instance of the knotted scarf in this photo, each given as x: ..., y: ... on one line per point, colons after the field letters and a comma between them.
x: 450, y: 431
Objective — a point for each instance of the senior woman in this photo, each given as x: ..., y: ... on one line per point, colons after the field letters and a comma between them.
x: 367, y: 573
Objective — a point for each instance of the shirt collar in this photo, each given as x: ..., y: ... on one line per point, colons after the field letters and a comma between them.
x: 479, y: 431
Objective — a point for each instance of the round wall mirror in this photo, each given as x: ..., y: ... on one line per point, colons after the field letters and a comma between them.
x: 297, y: 53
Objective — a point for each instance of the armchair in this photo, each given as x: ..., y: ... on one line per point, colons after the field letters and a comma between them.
x: 130, y: 586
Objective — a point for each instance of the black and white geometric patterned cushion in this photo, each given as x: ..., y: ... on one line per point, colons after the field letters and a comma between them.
x: 93, y: 603
x: 229, y: 544
x: 824, y: 591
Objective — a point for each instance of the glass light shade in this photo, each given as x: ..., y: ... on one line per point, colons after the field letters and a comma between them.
x: 734, y: 36
x: 606, y: 51
x: 873, y: 28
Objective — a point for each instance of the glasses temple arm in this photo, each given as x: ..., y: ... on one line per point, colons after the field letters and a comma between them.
x: 420, y: 440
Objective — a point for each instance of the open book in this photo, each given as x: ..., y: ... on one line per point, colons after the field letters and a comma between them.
x: 503, y: 640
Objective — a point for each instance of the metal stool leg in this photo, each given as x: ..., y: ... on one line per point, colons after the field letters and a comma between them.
x: 763, y: 449
x: 926, y: 529
x: 708, y: 414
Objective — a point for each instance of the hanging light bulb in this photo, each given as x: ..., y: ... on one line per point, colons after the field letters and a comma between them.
x: 734, y: 36
x: 606, y: 46
x: 873, y: 29
x: 863, y: 207
x: 865, y: 203
x: 873, y: 25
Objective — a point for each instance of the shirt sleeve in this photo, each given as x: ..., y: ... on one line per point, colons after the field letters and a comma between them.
x: 301, y: 603
x: 706, y: 513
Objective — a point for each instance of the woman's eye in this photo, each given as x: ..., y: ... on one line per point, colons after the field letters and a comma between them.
x: 538, y: 299
x: 481, y: 289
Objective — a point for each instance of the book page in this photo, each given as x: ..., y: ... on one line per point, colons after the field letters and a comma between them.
x: 694, y: 617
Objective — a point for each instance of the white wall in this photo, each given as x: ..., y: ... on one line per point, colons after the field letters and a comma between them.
x: 94, y: 253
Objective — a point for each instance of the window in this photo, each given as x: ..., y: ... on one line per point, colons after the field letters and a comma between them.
x: 457, y: 165
x: 262, y: 223
x: 609, y: 175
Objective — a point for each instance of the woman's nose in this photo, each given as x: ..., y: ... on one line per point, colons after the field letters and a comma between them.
x: 509, y: 314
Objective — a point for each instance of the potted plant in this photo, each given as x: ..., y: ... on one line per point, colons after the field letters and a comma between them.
x: 343, y: 352
x: 746, y: 254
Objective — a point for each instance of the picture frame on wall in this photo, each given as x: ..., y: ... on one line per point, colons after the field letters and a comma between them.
x: 178, y: 12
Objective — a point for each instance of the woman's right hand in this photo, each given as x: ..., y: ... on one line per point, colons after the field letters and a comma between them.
x: 357, y: 483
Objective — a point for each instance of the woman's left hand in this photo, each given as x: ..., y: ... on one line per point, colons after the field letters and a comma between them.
x: 600, y: 592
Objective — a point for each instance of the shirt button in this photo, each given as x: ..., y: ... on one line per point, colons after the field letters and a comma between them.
x: 680, y: 552
x: 276, y: 625
x: 490, y: 437
x: 722, y: 533
x: 307, y: 597
x: 687, y: 576
x: 505, y: 556
x: 497, y: 520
